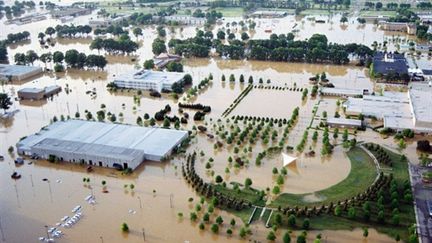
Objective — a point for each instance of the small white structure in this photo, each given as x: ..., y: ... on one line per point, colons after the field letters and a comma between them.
x: 287, y: 159
x: 18, y: 72
x: 342, y: 122
x: 343, y: 92
x: 105, y: 22
x: 148, y: 80
x: 186, y: 20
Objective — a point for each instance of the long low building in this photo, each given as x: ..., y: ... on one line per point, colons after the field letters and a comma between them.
x: 101, y: 144
x: 18, y: 72
x: 342, y: 122
x: 408, y: 110
x: 38, y: 93
x: 343, y: 92
x: 148, y: 80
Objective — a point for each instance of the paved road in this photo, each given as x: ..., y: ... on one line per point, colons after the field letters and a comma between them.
x: 422, y: 193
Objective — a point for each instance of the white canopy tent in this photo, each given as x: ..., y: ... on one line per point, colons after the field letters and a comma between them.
x: 287, y: 159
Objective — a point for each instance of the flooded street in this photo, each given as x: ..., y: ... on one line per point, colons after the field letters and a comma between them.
x: 151, y: 209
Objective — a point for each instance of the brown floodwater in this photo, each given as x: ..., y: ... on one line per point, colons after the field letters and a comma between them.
x: 28, y: 204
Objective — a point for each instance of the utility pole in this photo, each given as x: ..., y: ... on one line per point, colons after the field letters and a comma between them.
x: 46, y: 230
x: 2, y: 233
x: 143, y: 233
x: 171, y: 200
x: 101, y: 239
x: 139, y: 198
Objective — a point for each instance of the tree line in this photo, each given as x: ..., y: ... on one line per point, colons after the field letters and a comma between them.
x: 123, y: 45
x: 20, y: 36
x: 277, y: 48
x: 72, y: 31
x: 72, y: 58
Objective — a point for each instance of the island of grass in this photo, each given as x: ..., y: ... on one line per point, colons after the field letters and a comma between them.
x: 362, y: 175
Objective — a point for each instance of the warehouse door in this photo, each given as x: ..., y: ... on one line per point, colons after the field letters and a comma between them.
x: 100, y: 163
x: 125, y: 165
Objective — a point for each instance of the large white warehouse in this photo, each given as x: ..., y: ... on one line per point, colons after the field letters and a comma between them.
x: 102, y: 144
x: 148, y: 80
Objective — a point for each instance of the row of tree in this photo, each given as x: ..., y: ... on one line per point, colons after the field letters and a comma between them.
x: 72, y: 31
x: 277, y: 48
x: 72, y: 57
x: 123, y: 45
x: 20, y: 36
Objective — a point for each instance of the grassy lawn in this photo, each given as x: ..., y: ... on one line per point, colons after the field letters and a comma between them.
x: 361, y: 176
x: 378, y: 13
x: 231, y: 12
x: 317, y: 12
x: 248, y: 194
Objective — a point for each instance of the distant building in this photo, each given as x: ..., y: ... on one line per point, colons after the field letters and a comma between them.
x: 163, y: 59
x: 105, y: 22
x: 343, y: 92
x: 148, y: 80
x: 411, y: 110
x: 423, y: 47
x: 18, y: 72
x: 387, y: 63
x: 38, y: 93
x: 102, y: 144
x: 186, y: 20
x: 269, y: 14
x: 26, y: 19
x: 345, y: 123
x: 425, y: 19
x: 60, y: 12
x: 409, y: 28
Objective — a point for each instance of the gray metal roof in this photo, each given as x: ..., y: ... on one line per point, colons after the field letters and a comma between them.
x: 104, y: 139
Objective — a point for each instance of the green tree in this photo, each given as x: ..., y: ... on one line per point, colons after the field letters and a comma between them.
x: 365, y: 232
x: 248, y: 182
x: 292, y: 220
x: 271, y: 236
x: 137, y: 32
x: 286, y: 238
x: 125, y: 228
x: 5, y: 102
x: 306, y: 224
x: 215, y: 228
x: 219, y: 220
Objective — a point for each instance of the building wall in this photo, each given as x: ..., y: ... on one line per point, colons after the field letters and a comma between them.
x: 79, y: 158
x: 31, y: 95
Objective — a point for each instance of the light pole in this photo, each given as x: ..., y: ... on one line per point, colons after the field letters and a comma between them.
x: 139, y: 198
x: 101, y: 238
x: 46, y: 230
x: 171, y: 200
x: 50, y: 191
x: 143, y: 233
x: 2, y: 233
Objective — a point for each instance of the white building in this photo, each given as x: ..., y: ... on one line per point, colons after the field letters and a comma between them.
x: 148, y: 80
x: 102, y: 144
x: 411, y: 110
x: 186, y: 20
x: 105, y: 22
x: 18, y: 72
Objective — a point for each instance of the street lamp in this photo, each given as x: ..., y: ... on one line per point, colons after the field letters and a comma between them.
x: 46, y: 230
x: 139, y: 198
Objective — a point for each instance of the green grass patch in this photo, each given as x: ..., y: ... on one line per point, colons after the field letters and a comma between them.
x: 362, y: 175
x: 230, y: 12
x: 246, y: 194
x: 378, y: 13
x: 243, y: 214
